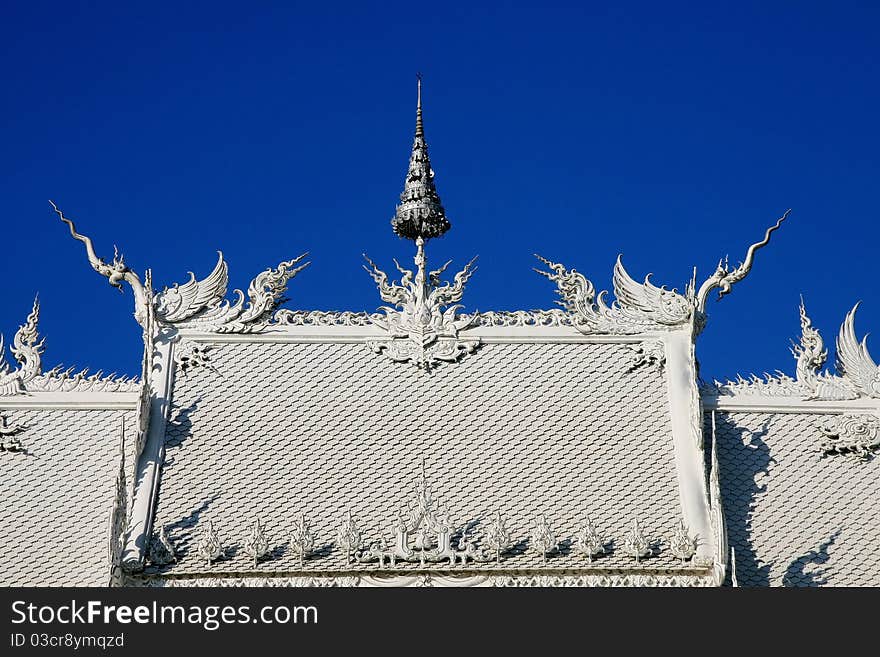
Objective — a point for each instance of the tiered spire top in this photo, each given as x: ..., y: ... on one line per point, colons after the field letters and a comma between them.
x: 420, y: 213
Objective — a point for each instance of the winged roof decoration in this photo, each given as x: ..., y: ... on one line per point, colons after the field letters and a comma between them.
x: 640, y: 307
x: 856, y: 376
x: 854, y: 362
x: 199, y: 303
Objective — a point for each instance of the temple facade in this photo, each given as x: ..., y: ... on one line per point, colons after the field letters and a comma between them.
x: 424, y: 445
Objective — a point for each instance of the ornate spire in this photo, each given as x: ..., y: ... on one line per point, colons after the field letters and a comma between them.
x: 420, y: 213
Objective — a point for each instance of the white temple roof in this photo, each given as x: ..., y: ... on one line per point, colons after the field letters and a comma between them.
x: 451, y: 447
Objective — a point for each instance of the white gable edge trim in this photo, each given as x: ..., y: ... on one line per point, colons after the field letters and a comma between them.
x: 72, y: 401
x: 769, y: 404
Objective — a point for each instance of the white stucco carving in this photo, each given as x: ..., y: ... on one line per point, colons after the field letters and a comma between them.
x: 161, y: 551
x: 497, y: 537
x: 302, y: 539
x: 201, y: 304
x: 602, y: 579
x: 638, y: 308
x: 636, y: 543
x: 542, y: 539
x: 192, y: 355
x: 256, y: 546
x: 26, y: 349
x: 681, y: 544
x: 854, y: 434
x: 590, y: 543
x: 651, y: 353
x: 857, y: 375
x: 424, y: 329
x: 349, y: 537
x: 724, y: 278
x: 209, y: 548
x: 9, y: 440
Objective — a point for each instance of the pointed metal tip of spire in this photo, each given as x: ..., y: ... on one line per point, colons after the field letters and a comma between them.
x: 420, y: 130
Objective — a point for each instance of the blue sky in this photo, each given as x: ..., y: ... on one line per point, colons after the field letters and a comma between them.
x: 671, y: 133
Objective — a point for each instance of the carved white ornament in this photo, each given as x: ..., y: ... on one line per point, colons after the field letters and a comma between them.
x: 651, y: 353
x: 161, y: 551
x: 857, y: 374
x: 590, y: 543
x: 497, y: 537
x: 256, y: 546
x: 27, y: 348
x: 641, y: 307
x: 542, y: 539
x: 302, y: 539
x: 192, y: 355
x: 855, y: 434
x: 636, y: 544
x: 9, y: 442
x: 209, y: 548
x: 423, y: 534
x: 681, y: 544
x: 421, y: 332
x: 199, y: 303
x: 349, y: 538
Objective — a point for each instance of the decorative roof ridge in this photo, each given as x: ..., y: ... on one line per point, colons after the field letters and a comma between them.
x: 856, y: 376
x: 27, y: 348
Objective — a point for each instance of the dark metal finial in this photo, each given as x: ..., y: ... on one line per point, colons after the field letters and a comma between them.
x: 420, y: 213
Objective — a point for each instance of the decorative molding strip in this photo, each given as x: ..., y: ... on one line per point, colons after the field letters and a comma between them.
x: 858, y: 376
x: 716, y: 515
x: 552, y: 317
x: 421, y: 332
x: 118, y: 518
x: 856, y: 435
x: 695, y: 577
x: 285, y: 317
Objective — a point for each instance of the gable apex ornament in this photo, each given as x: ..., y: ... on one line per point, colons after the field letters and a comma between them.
x: 424, y: 327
